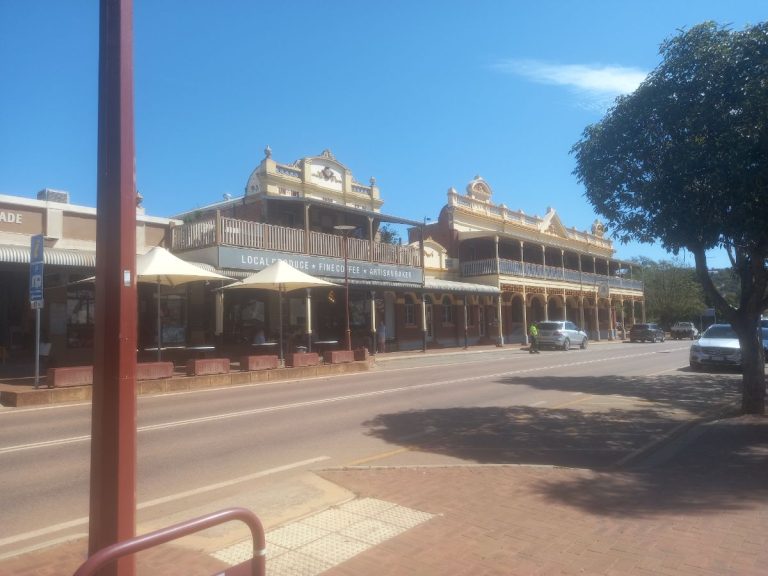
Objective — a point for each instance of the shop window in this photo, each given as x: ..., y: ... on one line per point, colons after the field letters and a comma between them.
x: 81, y: 306
x: 448, y: 317
x: 410, y: 311
x: 173, y: 314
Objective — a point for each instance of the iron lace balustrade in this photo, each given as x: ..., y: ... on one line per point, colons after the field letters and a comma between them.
x: 531, y: 270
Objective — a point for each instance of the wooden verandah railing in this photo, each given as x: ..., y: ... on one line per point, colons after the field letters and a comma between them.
x: 258, y: 235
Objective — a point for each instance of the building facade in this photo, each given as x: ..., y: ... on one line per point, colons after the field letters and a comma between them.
x: 69, y: 233
x: 543, y: 270
x: 478, y: 275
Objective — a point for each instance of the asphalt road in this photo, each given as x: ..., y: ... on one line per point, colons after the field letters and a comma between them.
x: 254, y: 445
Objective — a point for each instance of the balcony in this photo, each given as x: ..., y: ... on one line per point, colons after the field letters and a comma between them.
x: 257, y: 235
x: 493, y: 267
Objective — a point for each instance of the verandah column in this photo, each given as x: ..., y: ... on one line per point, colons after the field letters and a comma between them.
x: 597, y: 317
x: 308, y: 304
x: 525, y: 316
x: 500, y: 341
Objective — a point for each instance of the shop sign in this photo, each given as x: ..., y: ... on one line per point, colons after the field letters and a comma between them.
x: 11, y: 217
x: 245, y: 259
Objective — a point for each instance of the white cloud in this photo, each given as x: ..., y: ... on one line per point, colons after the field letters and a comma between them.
x: 596, y: 83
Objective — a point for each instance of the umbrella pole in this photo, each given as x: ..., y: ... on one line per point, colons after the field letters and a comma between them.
x: 280, y: 320
x: 159, y: 323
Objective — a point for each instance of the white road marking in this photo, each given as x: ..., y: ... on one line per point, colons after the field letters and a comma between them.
x: 321, y: 401
x: 156, y: 501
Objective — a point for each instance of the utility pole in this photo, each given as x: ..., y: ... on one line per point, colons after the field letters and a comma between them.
x: 113, y: 428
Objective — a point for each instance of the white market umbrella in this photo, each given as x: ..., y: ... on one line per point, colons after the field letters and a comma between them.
x: 159, y: 266
x: 279, y: 277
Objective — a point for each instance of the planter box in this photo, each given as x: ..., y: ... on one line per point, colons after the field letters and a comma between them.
x: 339, y: 356
x: 361, y: 354
x: 259, y: 362
x: 70, y: 376
x: 300, y: 359
x: 206, y: 366
x: 154, y: 370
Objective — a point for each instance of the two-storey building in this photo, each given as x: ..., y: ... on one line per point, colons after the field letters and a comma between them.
x: 543, y: 269
x: 313, y: 214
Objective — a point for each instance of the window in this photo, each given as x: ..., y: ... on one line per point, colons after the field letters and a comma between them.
x: 410, y: 311
x: 447, y: 310
x: 80, y: 311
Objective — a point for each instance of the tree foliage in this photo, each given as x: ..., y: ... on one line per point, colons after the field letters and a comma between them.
x: 672, y: 292
x: 388, y: 235
x: 684, y: 161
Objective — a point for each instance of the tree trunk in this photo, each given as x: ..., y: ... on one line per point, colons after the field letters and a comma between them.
x: 752, y: 364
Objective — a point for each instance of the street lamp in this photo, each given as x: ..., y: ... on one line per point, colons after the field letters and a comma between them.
x: 345, y: 229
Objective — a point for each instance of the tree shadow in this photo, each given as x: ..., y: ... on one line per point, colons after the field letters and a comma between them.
x: 683, y: 389
x: 523, y: 434
x: 716, y: 472
x: 725, y: 469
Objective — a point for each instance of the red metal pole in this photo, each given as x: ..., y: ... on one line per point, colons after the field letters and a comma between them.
x: 113, y: 428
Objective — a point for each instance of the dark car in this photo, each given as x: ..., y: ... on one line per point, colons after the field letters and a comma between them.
x: 646, y: 332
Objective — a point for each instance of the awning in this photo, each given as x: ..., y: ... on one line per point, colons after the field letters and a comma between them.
x: 439, y: 285
x: 364, y: 283
x: 53, y: 256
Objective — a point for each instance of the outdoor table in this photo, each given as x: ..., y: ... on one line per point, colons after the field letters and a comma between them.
x: 265, y: 347
x: 321, y: 346
x: 200, y: 351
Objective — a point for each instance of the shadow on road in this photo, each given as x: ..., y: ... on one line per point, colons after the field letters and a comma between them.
x: 678, y: 390
x: 727, y: 470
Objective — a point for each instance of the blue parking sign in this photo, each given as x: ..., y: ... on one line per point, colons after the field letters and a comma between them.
x: 36, y: 257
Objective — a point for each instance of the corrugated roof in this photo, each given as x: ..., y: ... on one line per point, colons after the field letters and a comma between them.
x: 53, y: 256
x: 439, y: 285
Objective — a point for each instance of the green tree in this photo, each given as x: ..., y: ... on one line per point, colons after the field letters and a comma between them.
x: 389, y: 235
x: 684, y: 160
x: 672, y: 292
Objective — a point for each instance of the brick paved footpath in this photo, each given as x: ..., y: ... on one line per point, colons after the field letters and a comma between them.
x: 703, y: 512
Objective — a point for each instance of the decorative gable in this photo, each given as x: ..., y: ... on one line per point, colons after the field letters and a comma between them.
x: 478, y: 189
x: 551, y: 224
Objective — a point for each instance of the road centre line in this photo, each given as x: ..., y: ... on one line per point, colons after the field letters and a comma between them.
x: 322, y: 401
x: 164, y: 500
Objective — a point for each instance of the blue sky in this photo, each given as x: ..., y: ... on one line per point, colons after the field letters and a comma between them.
x: 423, y: 95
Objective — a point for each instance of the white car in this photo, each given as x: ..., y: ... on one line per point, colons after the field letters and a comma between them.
x: 561, y: 334
x: 718, y: 346
x: 683, y: 330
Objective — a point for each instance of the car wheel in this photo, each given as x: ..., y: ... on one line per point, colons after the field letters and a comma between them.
x: 566, y: 344
x: 584, y: 343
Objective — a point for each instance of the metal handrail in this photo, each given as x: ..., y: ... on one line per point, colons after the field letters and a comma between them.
x: 165, y: 535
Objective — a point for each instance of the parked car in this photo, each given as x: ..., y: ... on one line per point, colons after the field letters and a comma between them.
x: 561, y: 334
x: 718, y: 346
x: 650, y: 332
x: 764, y: 336
x: 681, y: 330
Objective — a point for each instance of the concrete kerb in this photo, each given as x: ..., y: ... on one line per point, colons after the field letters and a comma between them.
x: 490, y: 348
x: 16, y: 396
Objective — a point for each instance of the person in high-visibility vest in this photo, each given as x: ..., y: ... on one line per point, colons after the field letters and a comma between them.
x: 533, y: 333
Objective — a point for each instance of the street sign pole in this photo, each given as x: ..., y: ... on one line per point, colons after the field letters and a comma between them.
x: 36, y: 258
x: 37, y: 347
